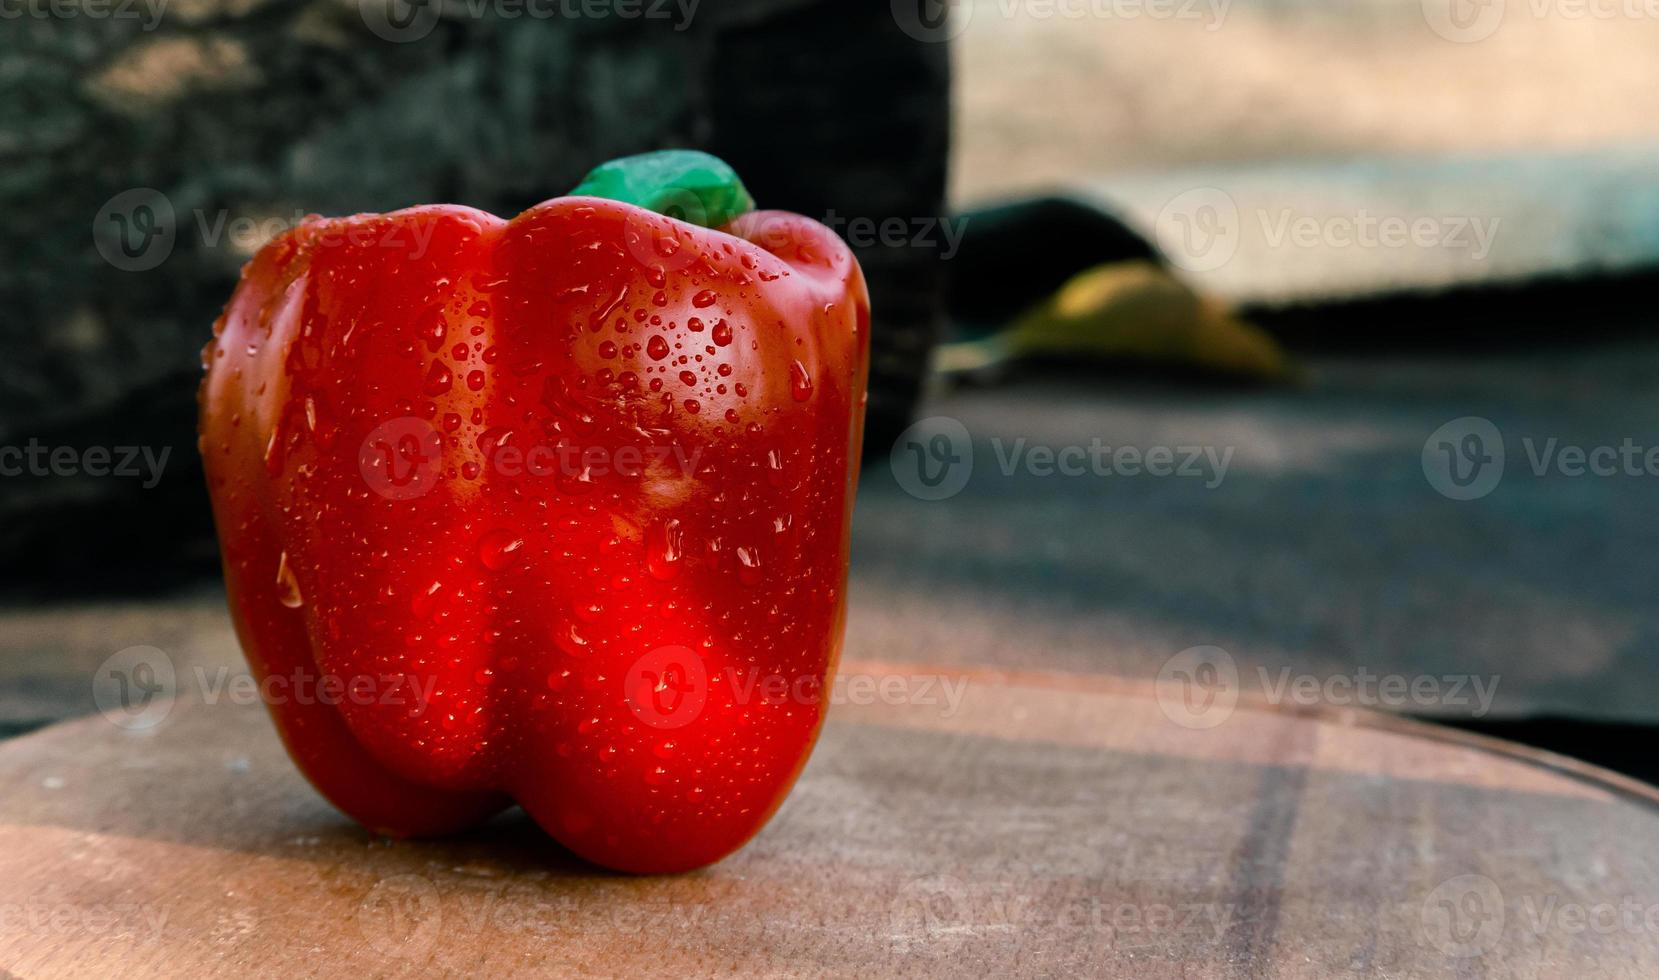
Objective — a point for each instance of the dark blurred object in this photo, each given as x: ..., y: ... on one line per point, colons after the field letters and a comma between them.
x: 1473, y: 319
x: 1015, y: 255
x: 142, y: 168
x: 833, y: 111
x: 145, y: 524
x: 1055, y: 282
x: 1122, y: 314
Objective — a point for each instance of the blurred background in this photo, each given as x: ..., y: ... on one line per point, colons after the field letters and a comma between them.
x: 1311, y: 337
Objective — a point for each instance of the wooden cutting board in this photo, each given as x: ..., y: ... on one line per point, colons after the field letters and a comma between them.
x: 1024, y: 825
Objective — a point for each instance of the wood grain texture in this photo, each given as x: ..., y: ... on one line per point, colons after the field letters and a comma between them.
x: 1039, y: 825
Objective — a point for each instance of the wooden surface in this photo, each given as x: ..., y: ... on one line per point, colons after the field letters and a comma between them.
x: 1039, y: 825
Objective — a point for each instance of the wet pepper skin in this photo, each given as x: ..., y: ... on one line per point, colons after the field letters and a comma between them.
x: 591, y: 631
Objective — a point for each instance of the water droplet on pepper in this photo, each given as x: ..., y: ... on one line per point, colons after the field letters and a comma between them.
x: 800, y: 382
x: 288, y: 587
x: 438, y: 379
x: 499, y: 549
x: 662, y: 549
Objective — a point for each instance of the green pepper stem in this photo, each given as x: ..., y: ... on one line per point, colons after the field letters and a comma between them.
x: 690, y: 185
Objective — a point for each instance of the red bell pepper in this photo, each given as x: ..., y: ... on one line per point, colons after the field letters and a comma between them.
x: 551, y: 511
